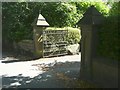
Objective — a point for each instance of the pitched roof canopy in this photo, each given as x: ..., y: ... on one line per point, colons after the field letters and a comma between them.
x: 41, y: 21
x: 91, y: 16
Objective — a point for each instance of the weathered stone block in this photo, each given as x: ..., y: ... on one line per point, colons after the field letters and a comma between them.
x: 73, y: 49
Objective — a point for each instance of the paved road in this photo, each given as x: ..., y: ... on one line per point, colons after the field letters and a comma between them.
x: 54, y: 72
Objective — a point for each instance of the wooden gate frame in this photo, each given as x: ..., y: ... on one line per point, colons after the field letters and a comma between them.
x: 56, y: 45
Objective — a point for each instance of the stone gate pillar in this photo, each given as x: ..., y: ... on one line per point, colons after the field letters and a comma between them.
x: 38, y: 26
x: 89, y: 25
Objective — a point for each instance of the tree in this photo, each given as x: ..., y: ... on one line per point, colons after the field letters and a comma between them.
x: 100, y: 6
x: 115, y: 10
x: 60, y: 14
x: 18, y: 16
x: 110, y: 34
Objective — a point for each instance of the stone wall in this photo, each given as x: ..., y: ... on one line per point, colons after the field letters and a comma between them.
x: 24, y: 46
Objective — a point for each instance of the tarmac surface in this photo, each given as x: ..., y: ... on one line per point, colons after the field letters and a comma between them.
x: 55, y: 72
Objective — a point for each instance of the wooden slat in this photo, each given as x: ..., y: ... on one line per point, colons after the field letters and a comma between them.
x: 57, y: 44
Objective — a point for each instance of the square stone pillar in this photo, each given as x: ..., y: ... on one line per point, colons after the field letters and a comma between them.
x: 38, y: 26
x: 89, y: 28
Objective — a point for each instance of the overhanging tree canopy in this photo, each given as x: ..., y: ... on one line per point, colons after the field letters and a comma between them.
x: 18, y: 16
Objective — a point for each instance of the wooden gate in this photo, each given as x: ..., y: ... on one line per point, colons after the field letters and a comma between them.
x: 54, y: 42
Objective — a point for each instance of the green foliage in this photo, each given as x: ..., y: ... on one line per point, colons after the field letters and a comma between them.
x: 109, y: 39
x: 74, y: 35
x: 115, y: 11
x: 110, y: 34
x: 60, y: 14
x: 18, y: 16
x: 100, y: 6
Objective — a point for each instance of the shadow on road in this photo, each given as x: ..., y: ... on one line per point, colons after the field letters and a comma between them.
x: 61, y: 75
x: 54, y: 75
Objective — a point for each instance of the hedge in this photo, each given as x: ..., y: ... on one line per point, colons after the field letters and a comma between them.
x: 74, y: 35
x: 109, y: 38
x: 110, y: 33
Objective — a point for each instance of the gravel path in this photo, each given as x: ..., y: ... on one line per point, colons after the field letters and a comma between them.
x: 53, y: 72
